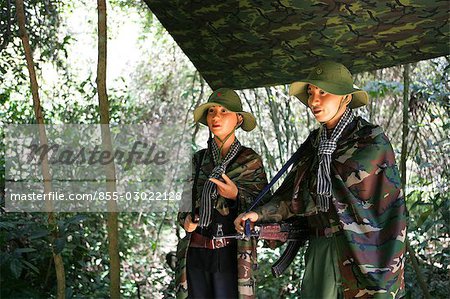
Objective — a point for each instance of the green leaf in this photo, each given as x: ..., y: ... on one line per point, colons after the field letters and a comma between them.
x: 76, y: 219
x: 39, y: 234
x: 31, y: 266
x: 69, y: 293
x: 59, y: 245
x: 425, y: 165
x: 4, y: 257
x: 6, y: 225
x: 24, y: 250
x: 446, y: 126
x: 16, y: 267
x: 423, y: 217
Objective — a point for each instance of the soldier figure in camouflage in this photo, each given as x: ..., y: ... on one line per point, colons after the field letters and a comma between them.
x: 347, y: 186
x: 228, y: 178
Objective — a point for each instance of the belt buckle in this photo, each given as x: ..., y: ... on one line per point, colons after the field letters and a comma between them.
x: 328, y: 232
x: 219, y: 243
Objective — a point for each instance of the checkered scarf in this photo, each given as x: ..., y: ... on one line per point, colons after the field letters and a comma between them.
x: 326, y: 148
x: 209, y: 193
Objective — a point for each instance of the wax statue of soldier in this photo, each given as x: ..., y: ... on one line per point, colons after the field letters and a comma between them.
x: 346, y: 183
x: 227, y: 178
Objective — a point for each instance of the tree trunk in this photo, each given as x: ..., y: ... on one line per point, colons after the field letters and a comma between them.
x: 405, y: 126
x: 403, y: 159
x: 276, y: 122
x: 59, y: 265
x: 113, y: 228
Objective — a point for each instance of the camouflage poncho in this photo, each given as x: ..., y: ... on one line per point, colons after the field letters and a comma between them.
x: 247, y: 172
x: 368, y: 205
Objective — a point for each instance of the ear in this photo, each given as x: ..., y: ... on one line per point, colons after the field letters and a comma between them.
x: 348, y: 98
x: 240, y: 119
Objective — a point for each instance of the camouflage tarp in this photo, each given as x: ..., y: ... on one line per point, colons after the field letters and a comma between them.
x: 244, y: 44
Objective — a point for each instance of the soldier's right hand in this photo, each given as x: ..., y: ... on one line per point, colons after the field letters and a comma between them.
x: 240, y: 220
x: 189, y: 226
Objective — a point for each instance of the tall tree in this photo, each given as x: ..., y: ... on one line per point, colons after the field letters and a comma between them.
x: 403, y: 159
x: 113, y: 228
x: 57, y: 259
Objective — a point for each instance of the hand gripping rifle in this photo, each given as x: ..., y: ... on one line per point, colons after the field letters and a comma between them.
x: 294, y: 231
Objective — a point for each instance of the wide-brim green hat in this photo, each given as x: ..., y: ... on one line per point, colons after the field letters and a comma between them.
x: 333, y: 78
x: 229, y: 99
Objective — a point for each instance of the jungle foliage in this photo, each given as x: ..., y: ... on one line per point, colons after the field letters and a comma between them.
x: 163, y: 86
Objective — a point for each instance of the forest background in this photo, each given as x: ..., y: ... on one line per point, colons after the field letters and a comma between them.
x: 151, y: 80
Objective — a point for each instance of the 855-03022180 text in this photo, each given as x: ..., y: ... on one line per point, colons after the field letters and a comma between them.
x: 99, y: 195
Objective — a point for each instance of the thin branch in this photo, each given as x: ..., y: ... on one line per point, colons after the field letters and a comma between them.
x: 393, y: 110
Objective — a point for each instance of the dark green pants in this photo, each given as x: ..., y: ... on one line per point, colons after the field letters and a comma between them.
x: 322, y: 278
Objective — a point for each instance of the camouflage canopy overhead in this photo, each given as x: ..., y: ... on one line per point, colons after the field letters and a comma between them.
x: 252, y: 43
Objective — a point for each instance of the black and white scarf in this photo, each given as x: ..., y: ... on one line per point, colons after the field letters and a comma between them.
x: 326, y: 148
x: 209, y: 193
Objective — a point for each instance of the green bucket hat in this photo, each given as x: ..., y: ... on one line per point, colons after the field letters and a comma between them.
x: 333, y: 78
x: 229, y: 99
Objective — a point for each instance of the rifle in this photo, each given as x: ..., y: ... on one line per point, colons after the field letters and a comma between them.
x: 194, y: 186
x: 294, y: 231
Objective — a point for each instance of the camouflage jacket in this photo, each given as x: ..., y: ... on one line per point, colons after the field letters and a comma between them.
x: 247, y: 172
x: 368, y: 205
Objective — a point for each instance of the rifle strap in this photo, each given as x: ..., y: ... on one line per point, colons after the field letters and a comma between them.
x: 283, y: 169
x: 194, y: 187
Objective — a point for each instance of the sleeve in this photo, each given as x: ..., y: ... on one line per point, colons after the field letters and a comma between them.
x: 181, y: 217
x: 277, y: 207
x: 372, y: 212
x: 250, y: 179
x: 187, y: 204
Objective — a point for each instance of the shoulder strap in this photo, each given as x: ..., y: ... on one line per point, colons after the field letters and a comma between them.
x: 285, y: 167
x: 292, y: 160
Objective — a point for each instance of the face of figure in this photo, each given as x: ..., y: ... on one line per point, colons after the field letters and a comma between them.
x: 326, y: 107
x: 221, y: 121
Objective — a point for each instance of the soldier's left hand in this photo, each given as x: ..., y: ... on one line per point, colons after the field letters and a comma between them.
x: 227, y: 189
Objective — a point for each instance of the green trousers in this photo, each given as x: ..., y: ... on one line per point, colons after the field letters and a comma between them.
x: 322, y: 278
